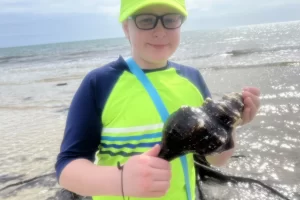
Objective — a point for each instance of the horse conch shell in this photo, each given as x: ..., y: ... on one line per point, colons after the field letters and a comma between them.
x: 202, y: 130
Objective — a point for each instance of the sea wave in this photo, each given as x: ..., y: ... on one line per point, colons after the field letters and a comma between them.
x: 235, y: 53
x: 53, y: 56
x: 6, y: 59
x: 259, y: 65
x: 243, y: 52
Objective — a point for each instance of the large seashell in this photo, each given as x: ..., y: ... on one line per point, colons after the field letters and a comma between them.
x: 203, y: 130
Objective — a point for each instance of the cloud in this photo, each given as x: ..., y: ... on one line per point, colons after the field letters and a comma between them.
x: 111, y: 7
x: 223, y: 8
x: 236, y: 4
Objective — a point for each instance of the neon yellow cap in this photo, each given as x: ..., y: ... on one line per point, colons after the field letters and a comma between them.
x: 129, y: 7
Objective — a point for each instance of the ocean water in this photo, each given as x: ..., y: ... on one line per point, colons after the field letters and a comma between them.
x: 33, y: 107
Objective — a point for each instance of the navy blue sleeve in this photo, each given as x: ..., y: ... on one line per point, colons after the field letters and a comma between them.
x: 83, y: 126
x: 202, y: 85
x: 82, y: 131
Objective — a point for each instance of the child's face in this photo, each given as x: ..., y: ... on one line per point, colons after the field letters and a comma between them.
x: 155, y: 45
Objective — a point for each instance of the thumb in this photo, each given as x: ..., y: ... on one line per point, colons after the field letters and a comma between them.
x: 154, y: 151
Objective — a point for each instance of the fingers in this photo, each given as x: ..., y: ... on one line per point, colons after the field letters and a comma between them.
x: 156, y: 182
x: 159, y: 163
x: 146, y: 175
x: 252, y: 90
x: 252, y: 104
x: 251, y: 99
x: 256, y: 101
x: 154, y: 151
x: 156, y: 194
x: 160, y: 186
x: 252, y: 108
x: 246, y: 115
x: 161, y: 175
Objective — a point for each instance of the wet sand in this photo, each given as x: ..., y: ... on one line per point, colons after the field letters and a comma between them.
x: 270, y: 143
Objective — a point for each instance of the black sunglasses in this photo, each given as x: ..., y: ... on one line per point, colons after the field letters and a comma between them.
x: 149, y: 21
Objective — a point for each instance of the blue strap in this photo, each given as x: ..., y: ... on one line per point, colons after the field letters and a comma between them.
x: 138, y: 72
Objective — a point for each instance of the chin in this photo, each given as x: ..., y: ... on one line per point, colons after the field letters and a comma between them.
x: 159, y: 56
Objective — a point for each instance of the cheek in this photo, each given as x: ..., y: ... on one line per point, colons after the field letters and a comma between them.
x: 138, y: 40
x: 174, y: 37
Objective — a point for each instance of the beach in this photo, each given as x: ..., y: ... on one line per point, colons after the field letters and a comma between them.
x: 37, y: 84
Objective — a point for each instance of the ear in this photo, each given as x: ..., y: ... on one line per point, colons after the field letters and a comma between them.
x: 125, y: 29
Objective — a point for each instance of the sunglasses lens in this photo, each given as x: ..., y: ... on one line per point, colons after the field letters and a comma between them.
x: 148, y: 21
x: 172, y: 21
x: 145, y: 21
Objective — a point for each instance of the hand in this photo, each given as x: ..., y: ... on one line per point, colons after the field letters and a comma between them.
x: 146, y: 175
x: 252, y: 103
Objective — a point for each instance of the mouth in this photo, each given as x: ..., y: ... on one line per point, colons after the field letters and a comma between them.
x: 158, y: 46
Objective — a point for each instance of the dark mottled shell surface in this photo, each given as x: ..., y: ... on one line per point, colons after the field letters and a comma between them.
x: 204, y: 130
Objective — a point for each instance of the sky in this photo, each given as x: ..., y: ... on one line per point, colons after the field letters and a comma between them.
x: 30, y: 22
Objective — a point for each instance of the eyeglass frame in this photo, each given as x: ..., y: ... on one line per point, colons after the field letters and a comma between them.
x: 158, y: 18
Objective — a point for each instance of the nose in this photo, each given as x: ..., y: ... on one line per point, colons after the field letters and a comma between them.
x: 159, y: 31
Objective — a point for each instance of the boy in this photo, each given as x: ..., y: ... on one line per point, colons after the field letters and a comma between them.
x: 113, y: 115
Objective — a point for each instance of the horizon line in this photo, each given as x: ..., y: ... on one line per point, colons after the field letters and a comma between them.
x: 123, y: 37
